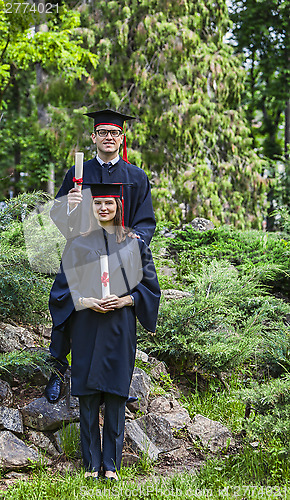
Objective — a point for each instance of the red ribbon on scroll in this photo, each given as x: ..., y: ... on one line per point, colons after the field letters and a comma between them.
x: 105, y: 278
x: 78, y: 181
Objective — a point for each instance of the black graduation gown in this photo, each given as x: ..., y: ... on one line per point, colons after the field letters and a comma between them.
x: 138, y: 209
x: 104, y: 345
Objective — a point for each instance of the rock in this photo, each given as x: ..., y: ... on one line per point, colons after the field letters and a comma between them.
x: 11, y: 419
x: 140, y: 388
x: 166, y: 233
x: 129, y: 459
x: 159, y: 432
x: 167, y: 407
x: 137, y: 440
x: 44, y: 416
x: 43, y: 442
x: 14, y: 338
x: 211, y: 433
x: 172, y: 294
x: 128, y: 414
x: 178, y: 453
x: 6, y: 394
x: 39, y: 377
x: 14, y: 453
x: 13, y: 477
x: 200, y: 224
x: 158, y: 368
x: 141, y: 355
x: 167, y: 271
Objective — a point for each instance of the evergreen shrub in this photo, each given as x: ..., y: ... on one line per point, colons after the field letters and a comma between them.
x: 23, y: 292
x: 228, y: 320
x: 266, y: 254
x: 270, y: 410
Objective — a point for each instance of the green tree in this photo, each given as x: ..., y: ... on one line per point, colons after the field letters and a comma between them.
x: 167, y: 63
x: 261, y: 33
x: 30, y: 44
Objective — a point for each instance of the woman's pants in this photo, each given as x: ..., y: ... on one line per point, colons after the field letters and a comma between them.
x: 113, y: 431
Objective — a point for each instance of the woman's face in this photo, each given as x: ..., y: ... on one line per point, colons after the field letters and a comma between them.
x: 104, y: 209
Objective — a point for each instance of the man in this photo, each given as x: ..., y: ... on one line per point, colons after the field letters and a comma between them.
x: 70, y: 212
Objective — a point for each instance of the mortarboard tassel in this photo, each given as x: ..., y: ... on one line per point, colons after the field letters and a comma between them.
x: 125, y: 157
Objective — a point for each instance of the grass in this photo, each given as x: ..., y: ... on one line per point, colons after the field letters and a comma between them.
x: 218, y: 403
x: 184, y: 486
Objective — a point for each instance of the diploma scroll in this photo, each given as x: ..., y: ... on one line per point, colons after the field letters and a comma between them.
x: 79, y: 167
x: 105, y: 276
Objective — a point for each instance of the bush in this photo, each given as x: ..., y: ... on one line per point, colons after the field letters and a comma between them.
x: 23, y: 292
x: 229, y: 320
x: 267, y: 254
x: 270, y: 403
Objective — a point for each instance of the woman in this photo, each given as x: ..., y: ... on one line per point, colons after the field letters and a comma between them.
x: 103, y: 329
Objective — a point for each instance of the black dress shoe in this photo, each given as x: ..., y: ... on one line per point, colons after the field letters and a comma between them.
x: 52, y: 391
x: 131, y: 399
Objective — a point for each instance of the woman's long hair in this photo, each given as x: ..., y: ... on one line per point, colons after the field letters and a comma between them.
x: 120, y: 231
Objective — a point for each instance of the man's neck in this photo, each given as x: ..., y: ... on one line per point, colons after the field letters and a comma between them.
x: 107, y: 157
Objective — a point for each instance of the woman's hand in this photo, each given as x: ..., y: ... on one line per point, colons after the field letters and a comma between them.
x: 94, y: 304
x: 74, y: 197
x: 114, y: 302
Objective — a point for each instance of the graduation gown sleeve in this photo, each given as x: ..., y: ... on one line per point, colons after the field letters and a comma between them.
x: 147, y: 293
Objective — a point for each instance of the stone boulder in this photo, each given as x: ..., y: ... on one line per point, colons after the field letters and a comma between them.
x: 172, y: 294
x: 14, y: 338
x: 139, y: 388
x: 157, y: 368
x: 14, y: 453
x: 11, y: 419
x: 200, y: 224
x: 138, y: 442
x: 169, y: 408
x: 6, y: 394
x: 211, y: 433
x: 141, y: 355
x: 159, y: 432
x: 43, y: 442
x: 44, y: 416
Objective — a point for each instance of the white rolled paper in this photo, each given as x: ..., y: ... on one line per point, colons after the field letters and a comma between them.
x: 79, y: 166
x: 104, y: 261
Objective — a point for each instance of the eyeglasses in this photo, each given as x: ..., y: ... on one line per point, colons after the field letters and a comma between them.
x: 102, y: 132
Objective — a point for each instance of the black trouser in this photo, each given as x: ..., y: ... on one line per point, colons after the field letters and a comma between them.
x: 60, y: 346
x: 113, y: 431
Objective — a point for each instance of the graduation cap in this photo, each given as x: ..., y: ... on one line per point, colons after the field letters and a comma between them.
x: 110, y: 117
x: 113, y: 190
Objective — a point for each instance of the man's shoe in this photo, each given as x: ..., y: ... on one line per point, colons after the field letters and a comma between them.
x: 52, y: 391
x: 131, y: 399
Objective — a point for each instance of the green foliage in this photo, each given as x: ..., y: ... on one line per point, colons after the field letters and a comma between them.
x: 255, y: 466
x: 70, y: 440
x: 23, y: 363
x: 270, y: 402
x: 23, y: 292
x: 263, y: 255
x: 229, y: 320
x: 23, y: 295
x: 166, y: 63
x: 261, y: 33
x: 217, y: 402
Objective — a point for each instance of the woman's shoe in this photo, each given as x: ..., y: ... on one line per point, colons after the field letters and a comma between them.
x: 93, y: 475
x: 111, y: 476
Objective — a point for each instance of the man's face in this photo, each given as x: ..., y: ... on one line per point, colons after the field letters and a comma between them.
x: 108, y: 145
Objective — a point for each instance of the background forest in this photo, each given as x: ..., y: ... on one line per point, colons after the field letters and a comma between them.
x: 210, y: 89
x: 208, y: 81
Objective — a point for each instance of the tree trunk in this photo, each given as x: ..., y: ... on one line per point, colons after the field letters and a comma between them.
x: 41, y: 109
x: 287, y: 130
